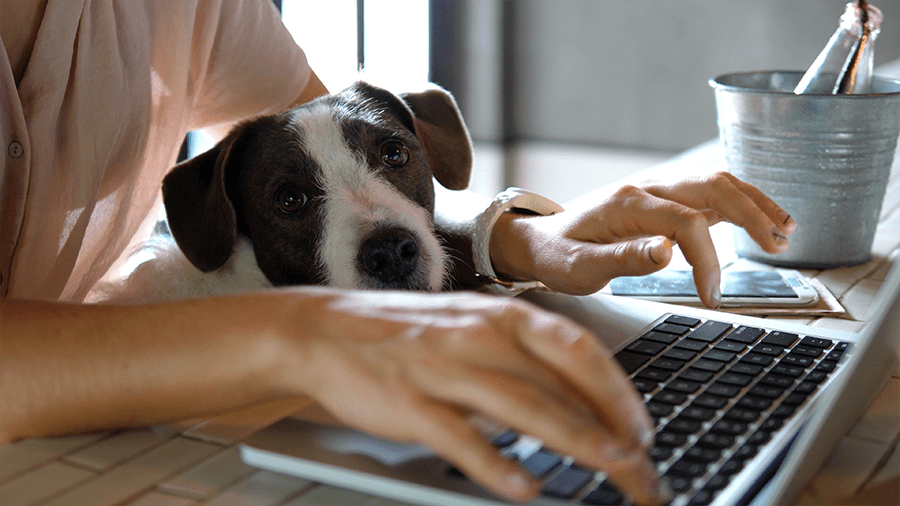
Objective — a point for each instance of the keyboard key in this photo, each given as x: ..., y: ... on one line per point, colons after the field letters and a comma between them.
x: 679, y: 483
x: 569, y: 481
x: 732, y: 346
x: 806, y: 387
x: 768, y: 349
x: 783, y: 411
x: 671, y: 328
x: 670, y: 397
x: 737, y: 379
x: 728, y: 427
x: 683, y: 386
x: 720, y: 355
x: 793, y: 399
x: 834, y: 355
x: 723, y: 389
x: 746, y: 367
x: 688, y: 468
x: 779, y: 338
x: 754, y: 402
x: 757, y: 359
x: 668, y: 364
x: 659, y: 453
x: 506, y: 439
x: 816, y: 342
x: 660, y: 337
x: 645, y: 386
x: 646, y: 347
x: 777, y: 380
x: 659, y: 409
x: 691, y: 344
x: 795, y: 359
x: 759, y: 438
x: 683, y: 426
x: 707, y: 455
x: 630, y: 362
x: 695, y: 374
x: 768, y: 391
x: 683, y: 320
x: 541, y: 462
x: 718, y: 441
x: 710, y: 401
x: 652, y: 373
x: 670, y: 439
x: 746, y: 335
x: 744, y: 415
x: 793, y: 371
x: 605, y: 494
x: 825, y: 366
x: 747, y: 451
x: 809, y: 351
x: 697, y: 413
x: 817, y: 375
x: 706, y: 364
x: 680, y: 354
x: 710, y: 331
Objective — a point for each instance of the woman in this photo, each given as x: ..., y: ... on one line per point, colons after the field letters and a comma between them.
x: 96, y: 97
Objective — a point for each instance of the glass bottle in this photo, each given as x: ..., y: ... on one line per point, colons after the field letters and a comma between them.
x: 845, y: 64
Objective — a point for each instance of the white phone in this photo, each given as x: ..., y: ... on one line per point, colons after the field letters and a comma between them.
x: 766, y: 288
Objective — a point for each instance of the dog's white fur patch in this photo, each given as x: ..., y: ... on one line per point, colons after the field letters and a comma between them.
x: 358, y: 201
x: 167, y: 274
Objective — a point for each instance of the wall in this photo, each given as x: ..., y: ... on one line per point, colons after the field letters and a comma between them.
x: 631, y: 74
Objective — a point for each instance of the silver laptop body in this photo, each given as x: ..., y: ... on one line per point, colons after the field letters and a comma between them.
x: 328, y: 453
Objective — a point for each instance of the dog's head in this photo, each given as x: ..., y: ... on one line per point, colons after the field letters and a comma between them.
x: 337, y: 191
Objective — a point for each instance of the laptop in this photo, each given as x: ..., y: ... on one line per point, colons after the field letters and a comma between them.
x: 746, y: 410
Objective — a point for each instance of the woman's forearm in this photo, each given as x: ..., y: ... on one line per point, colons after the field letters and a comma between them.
x: 73, y: 368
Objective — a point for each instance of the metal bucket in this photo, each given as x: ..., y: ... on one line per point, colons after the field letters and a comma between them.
x: 825, y: 159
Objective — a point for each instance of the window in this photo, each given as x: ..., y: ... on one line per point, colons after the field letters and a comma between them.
x: 395, y: 42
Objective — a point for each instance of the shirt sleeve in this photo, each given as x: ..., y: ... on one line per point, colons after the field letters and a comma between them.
x: 244, y: 63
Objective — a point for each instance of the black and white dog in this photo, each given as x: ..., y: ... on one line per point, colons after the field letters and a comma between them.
x: 336, y: 192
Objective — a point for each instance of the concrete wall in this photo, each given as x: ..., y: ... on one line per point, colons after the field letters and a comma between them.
x: 631, y: 74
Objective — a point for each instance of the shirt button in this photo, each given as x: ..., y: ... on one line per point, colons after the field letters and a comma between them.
x: 15, y: 150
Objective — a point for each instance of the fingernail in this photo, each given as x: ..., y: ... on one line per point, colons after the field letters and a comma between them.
x: 657, y: 249
x: 661, y: 490
x: 646, y: 435
x: 716, y: 297
x: 518, y: 482
x: 612, y: 452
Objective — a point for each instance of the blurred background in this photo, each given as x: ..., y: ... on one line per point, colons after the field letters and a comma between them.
x: 563, y: 96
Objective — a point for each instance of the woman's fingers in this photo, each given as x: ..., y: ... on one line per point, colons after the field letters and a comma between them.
x: 735, y: 201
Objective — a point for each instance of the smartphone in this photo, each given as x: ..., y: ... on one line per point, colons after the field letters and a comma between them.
x: 761, y: 288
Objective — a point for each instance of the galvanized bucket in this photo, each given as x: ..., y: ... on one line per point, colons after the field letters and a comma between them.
x: 826, y: 159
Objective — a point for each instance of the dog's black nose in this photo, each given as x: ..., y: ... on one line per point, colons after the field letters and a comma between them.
x: 389, y: 255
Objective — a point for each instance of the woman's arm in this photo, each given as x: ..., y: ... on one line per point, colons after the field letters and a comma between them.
x: 407, y: 366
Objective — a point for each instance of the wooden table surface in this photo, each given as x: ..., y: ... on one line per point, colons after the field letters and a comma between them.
x: 195, y: 462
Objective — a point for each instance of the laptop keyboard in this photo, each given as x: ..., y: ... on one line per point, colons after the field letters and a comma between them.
x: 716, y: 392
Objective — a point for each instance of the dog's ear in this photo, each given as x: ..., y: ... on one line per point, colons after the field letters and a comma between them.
x: 443, y: 134
x: 201, y: 216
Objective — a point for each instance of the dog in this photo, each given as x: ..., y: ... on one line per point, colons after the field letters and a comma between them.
x: 335, y: 192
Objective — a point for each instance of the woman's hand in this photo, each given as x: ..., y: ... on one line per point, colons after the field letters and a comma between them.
x: 416, y: 367
x: 632, y: 233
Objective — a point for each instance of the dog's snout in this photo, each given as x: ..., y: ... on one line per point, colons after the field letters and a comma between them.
x: 389, y: 255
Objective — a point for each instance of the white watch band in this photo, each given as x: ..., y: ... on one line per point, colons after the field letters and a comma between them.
x: 511, y: 198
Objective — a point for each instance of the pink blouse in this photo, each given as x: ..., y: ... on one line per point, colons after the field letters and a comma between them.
x: 97, y: 120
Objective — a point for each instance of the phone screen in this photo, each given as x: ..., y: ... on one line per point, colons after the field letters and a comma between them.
x: 673, y: 283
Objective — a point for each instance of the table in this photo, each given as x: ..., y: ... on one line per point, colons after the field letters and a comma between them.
x: 196, y: 462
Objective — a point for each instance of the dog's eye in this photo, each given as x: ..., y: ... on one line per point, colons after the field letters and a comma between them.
x: 394, y: 153
x: 290, y: 199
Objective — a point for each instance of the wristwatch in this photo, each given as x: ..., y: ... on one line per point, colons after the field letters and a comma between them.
x: 516, y: 199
